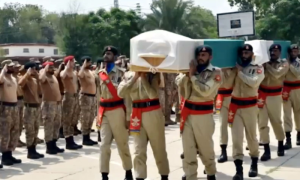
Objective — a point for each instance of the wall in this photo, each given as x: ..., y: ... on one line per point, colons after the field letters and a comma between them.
x: 33, y: 51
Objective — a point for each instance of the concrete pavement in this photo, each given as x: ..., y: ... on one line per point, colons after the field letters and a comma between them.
x: 83, y: 164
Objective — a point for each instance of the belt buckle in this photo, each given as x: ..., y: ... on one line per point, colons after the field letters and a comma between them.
x: 148, y: 104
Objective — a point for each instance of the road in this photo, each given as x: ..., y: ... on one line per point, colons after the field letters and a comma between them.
x: 84, y: 164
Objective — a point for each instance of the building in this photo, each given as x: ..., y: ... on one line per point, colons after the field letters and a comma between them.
x: 23, y: 51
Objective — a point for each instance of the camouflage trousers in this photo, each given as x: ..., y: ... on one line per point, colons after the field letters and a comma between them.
x: 20, y: 106
x: 9, y: 124
x: 87, y: 109
x: 68, y: 106
x: 76, y: 113
x: 51, y: 115
x: 32, y: 123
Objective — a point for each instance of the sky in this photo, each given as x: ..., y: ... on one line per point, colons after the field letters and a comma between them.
x: 84, y: 6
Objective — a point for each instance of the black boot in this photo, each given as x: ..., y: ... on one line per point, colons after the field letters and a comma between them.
x: 267, y: 154
x: 288, y: 143
x: 183, y: 177
x: 41, y: 155
x: 87, y: 141
x: 253, y: 168
x: 71, y: 145
x: 211, y: 177
x: 104, y: 176
x: 280, y: 149
x: 14, y: 160
x: 223, y: 156
x: 31, y: 153
x: 76, y: 130
x: 6, y: 161
x: 128, y: 175
x: 99, y: 136
x: 58, y: 150
x: 50, y: 149
x: 95, y: 142
x: 164, y: 177
x: 298, y: 138
x: 239, y: 175
x: 61, y: 133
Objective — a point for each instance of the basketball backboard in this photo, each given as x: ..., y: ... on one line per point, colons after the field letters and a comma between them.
x: 235, y: 24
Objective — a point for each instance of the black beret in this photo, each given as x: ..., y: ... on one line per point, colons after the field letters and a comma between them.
x: 203, y: 49
x: 87, y: 58
x: 100, y: 60
x: 112, y: 49
x: 294, y: 46
x: 275, y: 46
x: 30, y: 65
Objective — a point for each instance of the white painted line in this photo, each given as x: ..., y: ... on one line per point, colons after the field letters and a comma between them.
x: 95, y: 158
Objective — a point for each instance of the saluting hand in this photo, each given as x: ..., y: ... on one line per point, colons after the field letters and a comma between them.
x: 29, y: 71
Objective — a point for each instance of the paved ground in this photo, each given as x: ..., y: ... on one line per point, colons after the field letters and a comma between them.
x: 83, y: 164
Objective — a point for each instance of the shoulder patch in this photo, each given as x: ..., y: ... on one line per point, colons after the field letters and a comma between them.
x: 218, y: 78
x: 259, y: 71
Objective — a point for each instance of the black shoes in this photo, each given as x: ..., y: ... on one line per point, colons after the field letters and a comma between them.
x: 267, y: 154
x: 9, y: 160
x: 71, y: 145
x: 128, y: 175
x: 288, y: 143
x: 61, y: 133
x: 223, y: 157
x: 33, y: 154
x: 99, y: 136
x: 86, y: 140
x: 280, y: 149
x: 298, y: 138
x: 52, y: 148
x: 239, y: 170
x: 253, y: 168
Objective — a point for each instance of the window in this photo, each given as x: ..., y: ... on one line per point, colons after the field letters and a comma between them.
x: 41, y: 50
x: 55, y: 51
x: 6, y: 51
x: 25, y: 50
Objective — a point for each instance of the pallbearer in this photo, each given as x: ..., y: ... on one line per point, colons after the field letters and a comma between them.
x: 243, y: 110
x: 197, y: 125
x: 222, y: 106
x: 29, y: 83
x: 270, y: 101
x: 290, y: 95
x: 9, y: 134
x: 111, y: 116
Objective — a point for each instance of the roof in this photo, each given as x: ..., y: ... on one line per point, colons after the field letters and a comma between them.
x: 27, y: 44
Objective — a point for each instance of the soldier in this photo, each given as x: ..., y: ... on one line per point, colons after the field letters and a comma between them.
x: 47, y: 59
x: 270, y: 101
x: 111, y: 115
x: 29, y: 83
x: 76, y: 113
x: 51, y: 107
x: 9, y: 134
x: 222, y: 106
x: 243, y: 110
x: 68, y: 76
x: 87, y: 99
x: 290, y: 95
x: 200, y: 88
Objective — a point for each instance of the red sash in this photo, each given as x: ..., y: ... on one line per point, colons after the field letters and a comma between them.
x: 181, y: 103
x: 222, y: 92
x: 136, y: 115
x: 105, y: 78
x: 195, y: 108
x: 239, y: 103
x: 287, y: 87
x: 265, y: 91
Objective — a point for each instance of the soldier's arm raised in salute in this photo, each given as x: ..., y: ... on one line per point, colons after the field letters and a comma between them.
x: 23, y: 80
x: 2, y: 74
x: 151, y: 89
x: 125, y: 86
x: 81, y: 71
x: 254, y: 77
x: 42, y: 75
x: 295, y: 68
x: 278, y: 72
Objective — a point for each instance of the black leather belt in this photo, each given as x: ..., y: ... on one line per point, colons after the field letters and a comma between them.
x: 145, y: 104
x: 20, y: 97
x: 198, y: 107
x: 112, y: 104
x: 277, y: 90
x: 243, y: 102
x: 91, y: 95
x: 32, y: 105
x: 8, y: 103
x: 291, y: 84
x: 227, y: 91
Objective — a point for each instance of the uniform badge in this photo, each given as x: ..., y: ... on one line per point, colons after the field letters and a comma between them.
x: 218, y: 78
x: 135, y: 122
x: 259, y: 71
x: 247, y: 47
x: 109, y: 48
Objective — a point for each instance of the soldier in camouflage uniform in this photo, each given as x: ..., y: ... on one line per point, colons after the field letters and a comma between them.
x: 76, y: 113
x: 9, y: 118
x: 51, y: 107
x: 29, y: 84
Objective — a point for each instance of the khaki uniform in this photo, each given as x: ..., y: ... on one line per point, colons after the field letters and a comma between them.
x: 87, y: 103
x: 197, y: 124
x: 223, y: 99
x: 291, y: 93
x: 243, y: 111
x: 148, y: 125
x: 112, y: 123
x: 270, y: 101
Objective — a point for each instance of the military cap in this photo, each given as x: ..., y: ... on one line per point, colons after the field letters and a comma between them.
x: 100, y: 60
x: 68, y: 58
x: 247, y: 47
x: 48, y: 63
x: 203, y: 49
x: 48, y: 58
x: 7, y: 62
x: 17, y: 64
x: 87, y: 58
x: 30, y: 65
x: 59, y: 61
x: 112, y: 49
x: 294, y: 46
x: 37, y: 62
x: 275, y: 46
